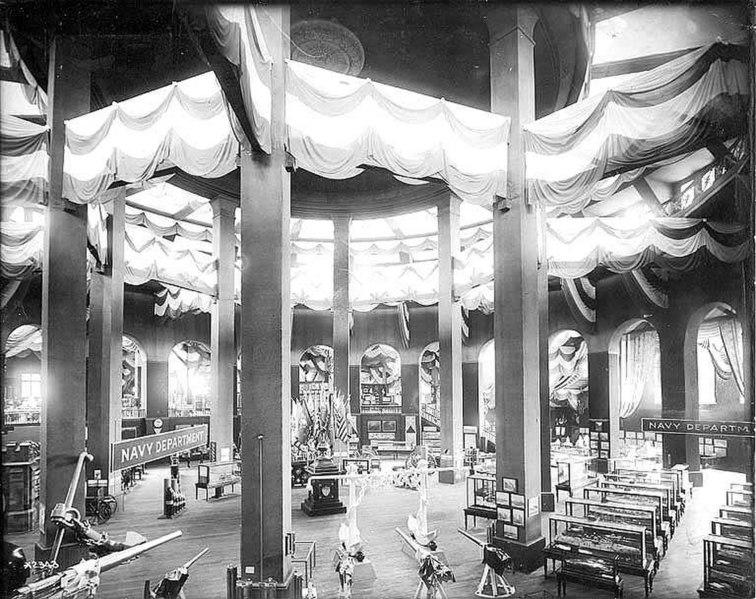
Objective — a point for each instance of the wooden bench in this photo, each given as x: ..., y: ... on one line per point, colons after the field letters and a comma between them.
x: 579, y: 538
x: 216, y: 476
x: 597, y: 572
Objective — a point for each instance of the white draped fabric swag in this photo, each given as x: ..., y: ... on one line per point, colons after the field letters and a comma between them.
x: 336, y: 124
x: 186, y: 124
x: 663, y: 113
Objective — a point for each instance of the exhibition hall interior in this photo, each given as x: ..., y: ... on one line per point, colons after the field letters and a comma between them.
x: 377, y: 300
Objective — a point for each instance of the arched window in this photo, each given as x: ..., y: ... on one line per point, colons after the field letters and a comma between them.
x: 315, y: 376
x: 568, y: 388
x: 22, y: 378
x: 189, y: 379
x: 720, y: 358
x: 381, y: 379
x: 133, y: 379
x: 487, y: 394
x: 636, y: 390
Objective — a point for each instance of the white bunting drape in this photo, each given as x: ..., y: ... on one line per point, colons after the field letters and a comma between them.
x: 337, y: 124
x: 186, y: 124
x: 666, y: 112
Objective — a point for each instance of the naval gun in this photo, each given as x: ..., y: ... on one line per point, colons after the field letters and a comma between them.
x: 81, y: 580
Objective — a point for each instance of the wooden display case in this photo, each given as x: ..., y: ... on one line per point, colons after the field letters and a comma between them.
x: 635, y: 498
x: 669, y: 511
x: 573, y: 473
x: 732, y: 512
x: 740, y: 498
x: 728, y: 568
x: 609, y: 513
x: 732, y: 529
x: 571, y: 537
x: 481, y: 497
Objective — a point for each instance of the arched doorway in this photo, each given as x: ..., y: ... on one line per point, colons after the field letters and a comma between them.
x: 189, y: 379
x: 635, y: 391
x: 487, y: 396
x: 430, y: 415
x: 133, y: 379
x: 22, y: 375
x: 568, y: 390
x: 380, y: 394
x: 315, y: 376
x: 715, y: 383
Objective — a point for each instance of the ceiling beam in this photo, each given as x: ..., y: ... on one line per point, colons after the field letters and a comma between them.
x: 639, y: 64
x: 648, y: 196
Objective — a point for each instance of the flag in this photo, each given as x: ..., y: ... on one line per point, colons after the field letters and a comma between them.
x: 341, y: 422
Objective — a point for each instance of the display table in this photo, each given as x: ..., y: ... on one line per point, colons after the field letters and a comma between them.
x: 216, y: 476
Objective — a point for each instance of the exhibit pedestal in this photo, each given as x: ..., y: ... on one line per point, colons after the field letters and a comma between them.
x: 323, y: 498
x: 269, y: 589
x: 363, y: 579
x: 525, y: 557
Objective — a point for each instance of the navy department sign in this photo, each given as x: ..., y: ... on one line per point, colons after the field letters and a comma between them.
x: 677, y: 426
x: 132, y: 452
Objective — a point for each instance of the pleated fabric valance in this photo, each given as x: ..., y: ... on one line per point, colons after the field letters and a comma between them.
x: 666, y: 112
x: 186, y: 124
x: 337, y: 124
x: 23, y: 161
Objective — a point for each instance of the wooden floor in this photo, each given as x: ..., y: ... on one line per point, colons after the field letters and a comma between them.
x: 215, y: 524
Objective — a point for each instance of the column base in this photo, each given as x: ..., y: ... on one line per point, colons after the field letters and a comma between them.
x: 69, y: 555
x: 322, y: 507
x: 548, y: 503
x: 363, y: 578
x: 270, y: 589
x: 525, y: 557
x: 602, y: 466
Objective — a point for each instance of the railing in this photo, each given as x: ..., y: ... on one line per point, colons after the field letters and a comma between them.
x: 692, y: 190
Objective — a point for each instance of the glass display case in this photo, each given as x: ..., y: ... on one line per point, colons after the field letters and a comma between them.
x: 481, y: 497
x: 728, y: 568
x: 574, y: 472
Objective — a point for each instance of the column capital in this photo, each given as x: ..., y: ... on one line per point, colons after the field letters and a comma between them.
x: 450, y: 203
x: 223, y: 205
x: 504, y: 20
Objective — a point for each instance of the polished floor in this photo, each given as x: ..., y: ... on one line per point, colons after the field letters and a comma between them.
x: 215, y: 524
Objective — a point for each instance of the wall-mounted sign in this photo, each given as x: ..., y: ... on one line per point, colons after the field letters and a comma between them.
x: 678, y: 426
x: 141, y: 450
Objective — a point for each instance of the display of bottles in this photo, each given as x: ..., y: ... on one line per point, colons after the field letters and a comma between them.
x: 174, y: 501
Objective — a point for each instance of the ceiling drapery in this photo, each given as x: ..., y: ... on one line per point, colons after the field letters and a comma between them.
x: 668, y: 111
x: 24, y: 341
x: 337, y: 124
x: 186, y: 124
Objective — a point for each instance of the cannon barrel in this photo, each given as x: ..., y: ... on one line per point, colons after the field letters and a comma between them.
x: 108, y: 562
x: 192, y: 561
x: 116, y: 559
x: 464, y: 533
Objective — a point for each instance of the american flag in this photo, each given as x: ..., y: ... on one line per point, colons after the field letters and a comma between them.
x: 342, y: 424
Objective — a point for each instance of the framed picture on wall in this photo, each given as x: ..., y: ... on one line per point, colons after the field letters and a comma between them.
x: 509, y: 531
x: 604, y: 436
x: 518, y: 501
x: 605, y: 445
x: 518, y: 517
x: 374, y: 426
x: 504, y: 514
x: 502, y: 498
x: 389, y: 426
x: 509, y: 484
